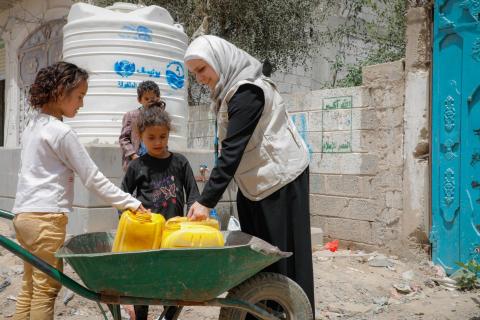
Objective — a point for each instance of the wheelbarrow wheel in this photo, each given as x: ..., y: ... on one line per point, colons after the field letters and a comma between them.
x: 273, y: 292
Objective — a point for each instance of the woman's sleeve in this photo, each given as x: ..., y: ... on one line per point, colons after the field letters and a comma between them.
x: 190, y: 185
x: 244, y: 111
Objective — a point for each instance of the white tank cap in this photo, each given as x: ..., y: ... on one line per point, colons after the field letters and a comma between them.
x: 124, y: 7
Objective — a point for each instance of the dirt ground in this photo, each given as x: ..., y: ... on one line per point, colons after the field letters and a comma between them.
x: 348, y: 285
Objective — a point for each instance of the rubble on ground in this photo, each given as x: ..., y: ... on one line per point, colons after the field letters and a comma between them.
x: 349, y: 284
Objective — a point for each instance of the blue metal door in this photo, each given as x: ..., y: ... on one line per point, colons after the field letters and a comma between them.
x: 455, y: 232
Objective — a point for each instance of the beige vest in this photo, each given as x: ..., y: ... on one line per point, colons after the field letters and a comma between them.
x: 276, y: 154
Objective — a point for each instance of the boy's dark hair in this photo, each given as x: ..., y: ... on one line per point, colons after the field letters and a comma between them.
x: 51, y: 81
x: 146, y: 86
x: 154, y: 115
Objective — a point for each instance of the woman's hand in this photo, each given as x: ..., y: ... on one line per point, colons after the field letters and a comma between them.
x: 198, y: 212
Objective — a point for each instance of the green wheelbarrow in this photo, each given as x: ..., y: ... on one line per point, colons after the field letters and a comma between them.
x: 178, y: 277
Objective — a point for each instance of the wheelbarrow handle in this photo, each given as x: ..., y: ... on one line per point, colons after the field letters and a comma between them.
x: 43, y: 266
x: 6, y: 214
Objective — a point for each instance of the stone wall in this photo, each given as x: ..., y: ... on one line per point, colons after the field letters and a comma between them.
x: 369, y: 146
x: 355, y: 138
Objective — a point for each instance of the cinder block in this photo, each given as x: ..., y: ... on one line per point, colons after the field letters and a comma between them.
x: 342, y: 207
x: 337, y: 141
x: 348, y: 229
x: 317, y: 184
x: 390, y: 118
x: 364, y: 141
x: 349, y: 185
x: 327, y: 205
x: 394, y: 199
x: 360, y: 95
x: 391, y: 179
x: 364, y: 119
x: 379, y: 74
x: 315, y: 140
x: 346, y: 163
x: 315, y: 120
x: 388, y: 96
x: 317, y: 236
x: 418, y: 35
x: 335, y: 120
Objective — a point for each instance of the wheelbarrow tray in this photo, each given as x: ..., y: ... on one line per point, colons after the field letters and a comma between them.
x: 193, y: 274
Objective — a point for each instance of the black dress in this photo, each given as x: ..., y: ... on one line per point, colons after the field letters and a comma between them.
x: 283, y: 218
x: 163, y: 186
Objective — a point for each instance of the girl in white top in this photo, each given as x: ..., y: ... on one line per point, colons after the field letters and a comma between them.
x: 51, y: 156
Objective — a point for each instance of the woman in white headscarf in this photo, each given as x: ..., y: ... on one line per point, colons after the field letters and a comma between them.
x: 261, y: 150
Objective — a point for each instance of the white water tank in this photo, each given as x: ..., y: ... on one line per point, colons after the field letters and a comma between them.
x: 121, y: 46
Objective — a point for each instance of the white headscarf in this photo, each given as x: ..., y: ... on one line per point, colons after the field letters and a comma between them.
x: 229, y: 62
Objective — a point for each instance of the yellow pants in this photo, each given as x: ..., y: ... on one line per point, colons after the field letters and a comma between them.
x: 42, y: 234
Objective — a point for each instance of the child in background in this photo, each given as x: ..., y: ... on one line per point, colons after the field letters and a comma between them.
x: 132, y: 148
x: 163, y: 180
x: 51, y: 155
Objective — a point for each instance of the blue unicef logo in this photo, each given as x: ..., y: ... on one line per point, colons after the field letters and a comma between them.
x: 124, y: 68
x: 175, y: 74
x: 144, y: 33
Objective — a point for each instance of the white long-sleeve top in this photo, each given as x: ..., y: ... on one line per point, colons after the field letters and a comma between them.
x: 50, y: 157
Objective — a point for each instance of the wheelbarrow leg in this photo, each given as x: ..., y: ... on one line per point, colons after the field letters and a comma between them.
x: 115, y: 310
x: 164, y: 313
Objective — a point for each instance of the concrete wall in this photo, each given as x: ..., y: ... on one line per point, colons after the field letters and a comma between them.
x: 416, y: 178
x: 91, y: 214
x: 19, y: 22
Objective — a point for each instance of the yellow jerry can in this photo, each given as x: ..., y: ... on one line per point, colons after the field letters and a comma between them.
x: 140, y: 231
x: 181, y: 233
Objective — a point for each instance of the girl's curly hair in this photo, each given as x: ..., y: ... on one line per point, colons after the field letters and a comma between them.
x: 153, y: 115
x: 50, y: 82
